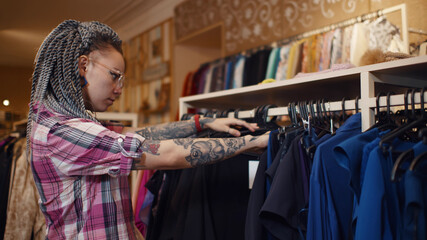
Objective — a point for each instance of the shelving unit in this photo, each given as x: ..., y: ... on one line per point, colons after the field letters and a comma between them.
x: 365, y: 82
x: 133, y: 117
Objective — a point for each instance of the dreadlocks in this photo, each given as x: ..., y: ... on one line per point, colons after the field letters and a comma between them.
x: 56, y: 80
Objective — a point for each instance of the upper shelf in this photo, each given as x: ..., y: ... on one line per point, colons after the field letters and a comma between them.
x: 332, y: 86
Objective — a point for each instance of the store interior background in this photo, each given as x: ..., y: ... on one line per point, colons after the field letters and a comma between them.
x: 192, y: 32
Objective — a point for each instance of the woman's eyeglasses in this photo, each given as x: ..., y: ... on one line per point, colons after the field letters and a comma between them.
x: 117, y: 76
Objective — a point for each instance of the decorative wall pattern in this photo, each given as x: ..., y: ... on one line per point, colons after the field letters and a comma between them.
x: 303, y: 16
x: 250, y: 23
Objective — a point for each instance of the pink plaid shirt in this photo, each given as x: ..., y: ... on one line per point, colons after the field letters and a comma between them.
x: 80, y: 169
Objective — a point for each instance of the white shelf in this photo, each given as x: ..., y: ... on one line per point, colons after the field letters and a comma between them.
x: 133, y: 117
x: 364, y: 82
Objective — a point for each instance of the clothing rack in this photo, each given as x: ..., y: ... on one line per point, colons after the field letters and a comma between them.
x: 395, y: 100
x: 346, y: 23
x: 358, y: 81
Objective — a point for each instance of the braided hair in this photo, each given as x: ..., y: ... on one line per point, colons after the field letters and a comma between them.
x: 56, y: 82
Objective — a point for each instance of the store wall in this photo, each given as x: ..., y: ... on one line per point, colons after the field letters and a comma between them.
x: 247, y: 24
x: 250, y: 23
x: 16, y: 87
x: 147, y: 89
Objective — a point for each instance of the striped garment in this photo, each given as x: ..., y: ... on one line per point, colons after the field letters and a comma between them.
x: 80, y: 169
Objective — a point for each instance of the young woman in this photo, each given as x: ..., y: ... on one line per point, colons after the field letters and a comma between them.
x: 80, y: 167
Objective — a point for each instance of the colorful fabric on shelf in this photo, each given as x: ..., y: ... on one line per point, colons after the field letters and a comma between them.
x: 283, y: 64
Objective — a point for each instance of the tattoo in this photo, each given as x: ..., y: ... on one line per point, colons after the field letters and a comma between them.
x: 183, y: 142
x: 151, y: 147
x: 205, y: 120
x: 211, y: 151
x: 253, y: 139
x: 203, y: 152
x: 169, y: 130
x: 234, y: 144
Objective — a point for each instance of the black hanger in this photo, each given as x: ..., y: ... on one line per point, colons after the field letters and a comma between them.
x: 417, y: 160
x: 422, y: 156
x: 406, y: 129
x: 343, y: 114
x: 397, y: 170
x: 356, y: 104
x: 404, y: 114
x: 269, y: 123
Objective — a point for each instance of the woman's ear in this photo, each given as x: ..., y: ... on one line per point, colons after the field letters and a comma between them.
x: 83, y: 64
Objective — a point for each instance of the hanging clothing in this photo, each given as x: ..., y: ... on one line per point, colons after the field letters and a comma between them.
x: 273, y: 61
x: 329, y: 216
x: 283, y: 64
x: 256, y: 67
x: 209, y: 198
x: 229, y: 73
x: 24, y: 217
x: 283, y: 209
x: 239, y: 72
x: 359, y: 43
x: 380, y: 199
x: 336, y: 54
x: 6, y: 159
x: 143, y: 202
x: 414, y: 214
x: 381, y: 33
x: 346, y: 44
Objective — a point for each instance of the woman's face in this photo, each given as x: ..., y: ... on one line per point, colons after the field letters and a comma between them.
x: 102, y: 70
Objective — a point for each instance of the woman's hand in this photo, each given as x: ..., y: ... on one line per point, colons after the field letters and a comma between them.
x: 225, y: 125
x: 258, y: 143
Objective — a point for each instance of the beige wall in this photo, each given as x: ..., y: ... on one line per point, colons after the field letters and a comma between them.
x: 193, y: 19
x: 15, y: 86
x: 249, y: 23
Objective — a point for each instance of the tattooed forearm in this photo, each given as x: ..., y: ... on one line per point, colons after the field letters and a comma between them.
x: 204, y: 152
x: 234, y: 144
x: 183, y: 142
x: 210, y: 151
x: 151, y: 147
x: 171, y: 130
x: 205, y: 120
x: 253, y: 139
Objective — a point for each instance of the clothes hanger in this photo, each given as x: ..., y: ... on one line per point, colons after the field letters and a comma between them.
x: 406, y: 130
x: 397, y: 170
x: 422, y: 156
x: 267, y: 121
x: 384, y: 122
x: 343, y: 114
x: 356, y: 104
x: 417, y: 160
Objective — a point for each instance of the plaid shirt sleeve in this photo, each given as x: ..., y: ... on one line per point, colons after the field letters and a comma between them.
x: 82, y: 147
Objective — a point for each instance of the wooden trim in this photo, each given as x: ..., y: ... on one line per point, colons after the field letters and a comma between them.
x: 201, y: 31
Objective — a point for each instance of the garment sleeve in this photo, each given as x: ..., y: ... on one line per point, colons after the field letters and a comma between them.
x: 80, y: 147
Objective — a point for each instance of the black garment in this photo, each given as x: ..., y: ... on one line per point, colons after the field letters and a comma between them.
x: 284, y: 209
x: 254, y: 228
x: 256, y: 67
x: 207, y: 202
x: 160, y: 185
x: 6, y: 157
x: 219, y: 80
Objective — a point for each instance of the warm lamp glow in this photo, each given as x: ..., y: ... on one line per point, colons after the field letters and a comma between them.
x: 6, y: 102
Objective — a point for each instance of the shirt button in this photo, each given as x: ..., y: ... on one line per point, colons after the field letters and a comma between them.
x: 120, y: 140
